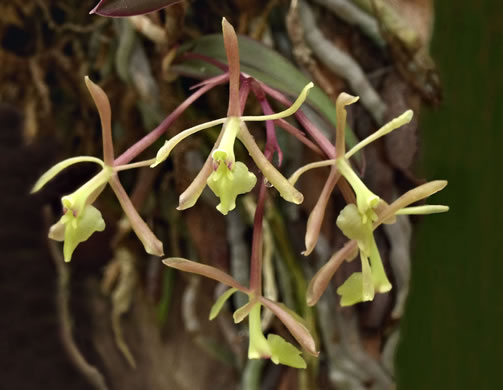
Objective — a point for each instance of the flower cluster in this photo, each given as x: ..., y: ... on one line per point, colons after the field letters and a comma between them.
x: 227, y: 178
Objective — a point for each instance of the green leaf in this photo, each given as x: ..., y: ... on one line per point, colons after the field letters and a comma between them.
x: 263, y: 64
x: 282, y: 352
x: 217, y: 306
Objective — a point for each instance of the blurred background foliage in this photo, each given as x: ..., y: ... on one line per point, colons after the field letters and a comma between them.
x: 451, y: 333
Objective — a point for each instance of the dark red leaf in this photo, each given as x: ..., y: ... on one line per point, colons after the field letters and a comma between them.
x: 121, y: 8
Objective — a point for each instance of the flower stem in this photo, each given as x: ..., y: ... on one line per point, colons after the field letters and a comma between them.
x: 151, y: 137
x: 322, y: 141
x: 256, y: 251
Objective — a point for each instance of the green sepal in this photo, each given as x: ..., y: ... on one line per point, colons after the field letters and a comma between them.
x: 220, y: 302
x: 227, y: 184
x: 282, y: 352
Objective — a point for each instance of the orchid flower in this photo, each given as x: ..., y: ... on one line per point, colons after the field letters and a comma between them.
x: 357, y: 222
x: 225, y: 176
x: 274, y: 346
x: 360, y: 288
x: 80, y: 219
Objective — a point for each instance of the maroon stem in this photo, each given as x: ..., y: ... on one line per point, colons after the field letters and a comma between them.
x: 322, y: 141
x: 299, y: 135
x: 256, y: 251
x: 154, y: 135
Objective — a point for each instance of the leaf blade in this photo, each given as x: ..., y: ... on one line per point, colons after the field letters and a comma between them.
x: 122, y: 8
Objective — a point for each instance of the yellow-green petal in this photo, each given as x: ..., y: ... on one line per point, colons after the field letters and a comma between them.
x: 49, y: 175
x: 217, y: 306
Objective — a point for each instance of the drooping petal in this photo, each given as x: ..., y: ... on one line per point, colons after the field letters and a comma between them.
x: 321, y: 279
x: 189, y: 197
x: 51, y: 173
x: 151, y: 243
x: 275, y: 178
x: 317, y: 215
x: 204, y: 270
x: 165, y: 150
x: 297, y: 329
x: 220, y: 302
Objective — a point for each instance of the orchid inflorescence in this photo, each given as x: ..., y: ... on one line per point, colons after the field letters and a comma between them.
x: 227, y: 178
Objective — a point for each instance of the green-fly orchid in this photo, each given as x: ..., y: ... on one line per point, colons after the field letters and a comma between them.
x: 225, y: 176
x: 357, y: 222
x: 274, y: 346
x: 80, y: 219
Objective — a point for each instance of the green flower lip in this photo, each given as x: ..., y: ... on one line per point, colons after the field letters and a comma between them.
x: 234, y: 127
